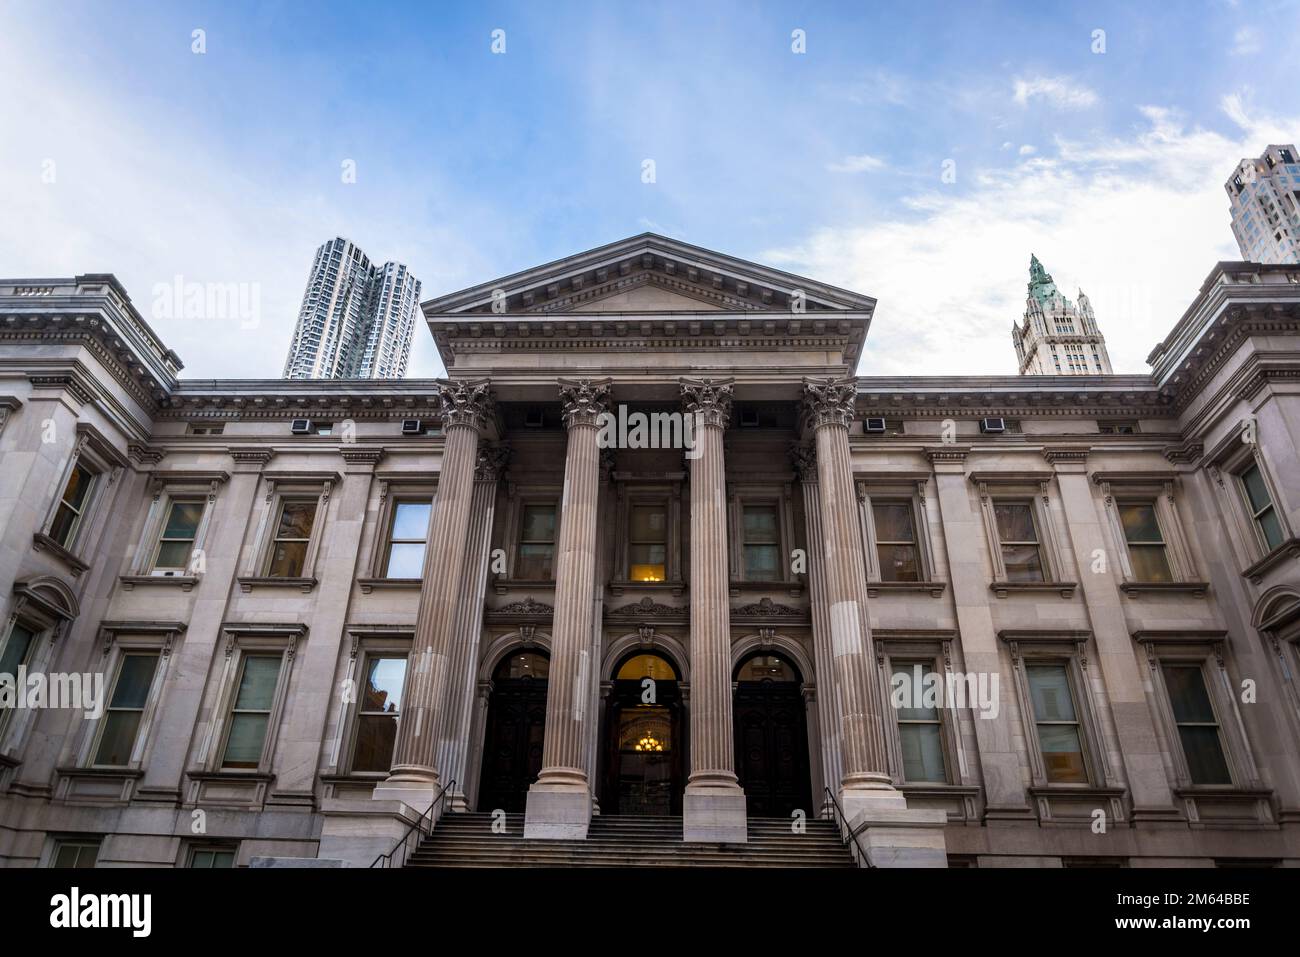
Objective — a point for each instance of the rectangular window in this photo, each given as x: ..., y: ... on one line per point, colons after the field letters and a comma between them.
x: 250, y: 714
x: 896, y: 541
x: 1018, y: 539
x: 1057, y: 723
x: 648, y: 543
x: 79, y: 854
x: 919, y: 731
x: 17, y: 650
x: 761, y: 536
x: 176, y: 540
x: 1117, y: 428
x: 537, y: 544
x: 292, y: 535
x: 206, y: 857
x: 1261, y: 507
x: 1198, y: 729
x: 1146, y: 544
x: 126, y: 708
x: 407, y: 536
x: 378, y: 712
x: 72, y: 505
x: 205, y: 428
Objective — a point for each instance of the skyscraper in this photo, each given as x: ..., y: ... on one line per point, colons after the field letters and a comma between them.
x: 1056, y: 337
x: 356, y: 319
x: 1265, y: 198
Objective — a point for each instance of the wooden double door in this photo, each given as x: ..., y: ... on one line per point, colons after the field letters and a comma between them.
x: 771, y: 737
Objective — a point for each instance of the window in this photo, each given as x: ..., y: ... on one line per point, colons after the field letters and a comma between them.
x: 176, y: 540
x: 205, y: 857
x: 1056, y: 723
x: 896, y: 541
x: 205, y: 428
x: 648, y: 543
x: 761, y: 538
x: 1146, y: 544
x: 72, y: 506
x: 919, y: 729
x: 17, y: 649
x: 250, y: 714
x: 292, y: 535
x: 1117, y: 428
x: 537, y: 544
x: 1018, y: 540
x: 125, y: 709
x: 378, y: 713
x: 1260, y: 504
x: 1198, y: 728
x: 407, y: 537
x: 75, y: 853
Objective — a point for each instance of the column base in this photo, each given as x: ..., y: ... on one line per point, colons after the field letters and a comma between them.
x: 892, y: 834
x: 557, y: 812
x: 714, y: 815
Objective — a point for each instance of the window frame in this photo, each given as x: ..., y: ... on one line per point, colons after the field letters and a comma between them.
x: 897, y: 487
x: 528, y: 500
x: 367, y: 649
x: 1225, y: 465
x: 1159, y: 490
x: 283, y: 488
x: 126, y: 648
x: 1033, y: 489
x: 777, y: 496
x: 389, y: 539
x: 58, y: 843
x: 244, y: 641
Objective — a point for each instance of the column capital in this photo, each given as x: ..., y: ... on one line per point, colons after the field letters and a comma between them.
x: 804, y: 457
x: 492, y: 462
x: 466, y: 402
x: 709, y: 399
x: 584, y: 400
x: 830, y: 401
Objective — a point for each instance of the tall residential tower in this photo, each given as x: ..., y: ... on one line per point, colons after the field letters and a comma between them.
x: 356, y: 319
x: 1056, y: 337
x: 1265, y: 198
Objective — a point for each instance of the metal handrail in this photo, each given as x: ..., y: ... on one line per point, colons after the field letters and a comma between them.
x: 433, y: 805
x: 839, y: 811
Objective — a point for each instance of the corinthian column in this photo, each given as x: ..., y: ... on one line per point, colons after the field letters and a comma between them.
x: 713, y: 807
x: 865, y: 783
x: 559, y: 802
x: 466, y: 410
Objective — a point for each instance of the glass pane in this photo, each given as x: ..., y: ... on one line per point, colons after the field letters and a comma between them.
x: 65, y: 519
x: 1062, y: 754
x: 898, y: 563
x: 762, y: 563
x: 183, y: 520
x: 646, y: 666
x: 535, y: 562
x: 75, y: 855
x: 1256, y: 490
x: 257, y: 684
x: 202, y: 859
x: 174, y: 554
x: 1140, y: 524
x: 766, y: 668
x: 1187, y: 694
x: 133, y: 681
x: 223, y: 858
x: 376, y: 736
x: 1150, y: 564
x: 760, y: 524
x: 913, y: 692
x: 77, y: 488
x: 411, y: 520
x: 646, y: 563
x: 1049, y: 687
x: 1015, y: 521
x: 405, y: 560
x: 287, y: 559
x: 1271, y: 527
x: 1204, y: 753
x: 1023, y: 563
x: 893, y: 521
x: 649, y: 524
x: 296, y: 520
x: 922, y: 752
x: 118, y: 737
x: 244, y: 746
x: 539, y: 524
x: 526, y: 664
x: 16, y: 650
x: 383, y: 691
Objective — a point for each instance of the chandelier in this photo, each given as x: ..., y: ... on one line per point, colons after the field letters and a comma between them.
x: 649, y: 743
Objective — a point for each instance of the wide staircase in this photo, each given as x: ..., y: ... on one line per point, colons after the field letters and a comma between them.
x: 467, y: 840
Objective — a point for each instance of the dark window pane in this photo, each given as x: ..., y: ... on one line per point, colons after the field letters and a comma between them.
x: 257, y: 684
x: 1256, y: 490
x: 1062, y: 754
x: 762, y: 563
x: 539, y: 524
x: 296, y: 520
x: 1271, y: 527
x: 922, y: 752
x: 118, y: 737
x: 287, y: 559
x: 411, y: 520
x: 898, y: 563
x: 760, y: 524
x: 405, y: 560
x: 1049, y: 688
x: 1140, y: 523
x: 78, y: 487
x: 376, y: 736
x: 65, y: 520
x: 766, y: 668
x: 526, y: 664
x: 893, y: 521
x: 1023, y: 563
x: 174, y: 554
x: 133, y: 681
x: 244, y: 745
x: 1188, y: 694
x: 183, y: 520
x: 1015, y: 521
x: 648, y: 524
x: 16, y: 650
x: 1204, y: 753
x: 535, y: 562
x: 1150, y: 564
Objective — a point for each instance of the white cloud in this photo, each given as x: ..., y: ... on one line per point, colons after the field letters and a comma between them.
x: 1245, y: 42
x: 1137, y: 222
x: 856, y: 164
x: 1059, y: 91
x: 1028, y: 150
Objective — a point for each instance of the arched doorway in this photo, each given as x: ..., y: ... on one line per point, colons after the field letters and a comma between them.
x: 645, y: 740
x: 516, y: 724
x: 771, y: 732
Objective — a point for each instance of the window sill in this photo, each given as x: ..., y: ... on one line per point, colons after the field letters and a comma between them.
x: 43, y: 543
x: 794, y: 588
x: 503, y: 585
x: 248, y: 584
x: 619, y: 587
x: 101, y: 771
x: 1288, y: 549
x: 1075, y: 790
x: 230, y: 775
x: 183, y: 582
x: 1195, y: 589
x: 936, y: 589
x: 399, y: 584
x: 1002, y: 589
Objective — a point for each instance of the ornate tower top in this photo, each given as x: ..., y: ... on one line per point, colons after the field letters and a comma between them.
x: 1056, y: 337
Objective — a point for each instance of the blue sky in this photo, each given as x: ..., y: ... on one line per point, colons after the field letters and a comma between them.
x: 225, y: 166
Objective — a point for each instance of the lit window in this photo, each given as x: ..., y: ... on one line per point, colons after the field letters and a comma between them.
x: 1057, y: 723
x: 1146, y: 545
x: 1198, y: 729
x: 762, y: 543
x: 250, y: 714
x: 407, y: 537
x: 537, y: 544
x: 126, y: 708
x: 647, y: 543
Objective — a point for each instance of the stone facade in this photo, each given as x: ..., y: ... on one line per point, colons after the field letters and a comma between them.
x: 1121, y: 608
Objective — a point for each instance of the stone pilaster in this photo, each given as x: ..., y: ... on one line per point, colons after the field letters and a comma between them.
x: 467, y: 410
x: 713, y: 807
x: 559, y: 802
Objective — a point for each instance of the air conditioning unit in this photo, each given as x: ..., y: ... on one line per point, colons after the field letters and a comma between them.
x: 993, y: 426
x: 300, y: 427
x: 412, y: 427
x: 873, y: 426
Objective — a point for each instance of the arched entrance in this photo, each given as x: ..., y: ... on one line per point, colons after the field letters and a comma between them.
x: 771, y: 732
x: 645, y: 739
x: 516, y: 724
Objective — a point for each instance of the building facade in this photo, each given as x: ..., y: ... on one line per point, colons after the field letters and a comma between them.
x: 637, y: 555
x: 356, y: 320
x: 1056, y: 337
x: 1264, y: 198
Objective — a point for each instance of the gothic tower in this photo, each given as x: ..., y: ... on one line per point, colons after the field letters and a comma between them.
x: 1057, y: 337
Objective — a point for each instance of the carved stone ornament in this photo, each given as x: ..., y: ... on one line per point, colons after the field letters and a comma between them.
x: 465, y: 403
x: 708, y: 399
x: 584, y: 401
x: 492, y: 461
x: 830, y: 402
x: 804, y: 458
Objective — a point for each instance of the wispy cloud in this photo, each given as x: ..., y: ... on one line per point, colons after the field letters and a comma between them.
x: 1060, y: 92
x: 862, y: 163
x: 1245, y: 41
